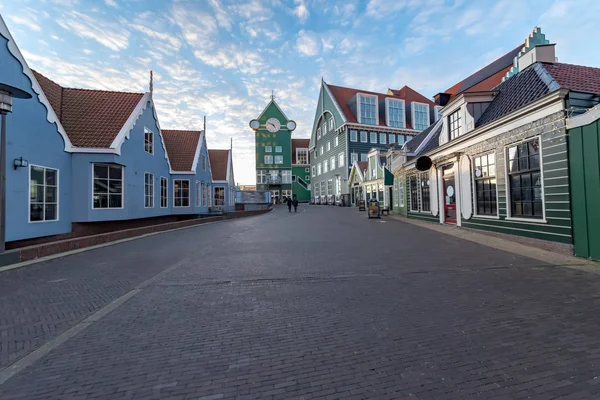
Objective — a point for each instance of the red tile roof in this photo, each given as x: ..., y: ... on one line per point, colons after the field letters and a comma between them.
x: 91, y: 118
x: 343, y: 96
x: 218, y: 164
x: 181, y: 148
x: 575, y: 77
x: 299, y: 144
x: 363, y: 165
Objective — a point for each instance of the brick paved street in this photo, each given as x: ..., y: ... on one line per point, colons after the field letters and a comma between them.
x: 323, y: 304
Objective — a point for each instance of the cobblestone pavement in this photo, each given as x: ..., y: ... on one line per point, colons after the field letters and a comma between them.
x: 323, y: 304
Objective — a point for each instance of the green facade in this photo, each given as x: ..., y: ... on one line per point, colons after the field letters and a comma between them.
x: 584, y: 163
x: 301, y: 183
x: 399, y: 203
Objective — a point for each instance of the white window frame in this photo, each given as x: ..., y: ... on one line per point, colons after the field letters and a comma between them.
x: 401, y: 191
x: 392, y: 136
x: 325, y: 166
x: 122, y: 187
x: 388, y: 101
x: 384, y: 137
x: 332, y: 163
x: 44, y: 202
x: 373, y: 96
x: 298, y: 152
x: 147, y: 197
x: 364, y: 157
x: 319, y: 169
x: 148, y: 143
x: 214, y: 197
x: 285, y: 174
x: 371, y: 136
x: 543, y: 220
x: 268, y: 149
x: 365, y: 135
x: 314, y: 170
x: 278, y: 149
x: 278, y: 160
x: 331, y: 124
x: 321, y: 151
x: 474, y: 187
x: 329, y: 145
x: 166, y: 197
x: 341, y: 160
x: 318, y: 133
x: 205, y: 194
x: 203, y: 162
x: 353, y: 135
x: 189, y: 194
x: 354, y: 157
x: 198, y: 194
x: 268, y: 160
x: 437, y: 115
x: 413, y: 110
x: 336, y: 142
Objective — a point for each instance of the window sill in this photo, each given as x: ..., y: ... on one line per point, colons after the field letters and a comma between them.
x: 43, y: 222
x: 486, y: 216
x: 530, y: 220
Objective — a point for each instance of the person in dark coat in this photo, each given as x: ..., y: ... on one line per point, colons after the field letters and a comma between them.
x: 295, y: 203
x: 289, y: 203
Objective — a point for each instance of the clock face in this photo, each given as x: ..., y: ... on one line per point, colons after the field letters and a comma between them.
x: 291, y: 125
x: 273, y: 125
x: 254, y: 124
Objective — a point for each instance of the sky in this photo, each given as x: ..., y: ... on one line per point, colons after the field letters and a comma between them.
x: 223, y: 58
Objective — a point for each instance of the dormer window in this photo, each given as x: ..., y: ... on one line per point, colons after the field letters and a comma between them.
x: 367, y: 109
x: 454, y: 124
x: 395, y: 113
x: 437, y: 112
x: 420, y: 115
x: 319, y: 133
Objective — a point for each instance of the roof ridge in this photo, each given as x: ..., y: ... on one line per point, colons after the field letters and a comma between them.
x: 361, y: 90
x: 101, y: 90
x: 573, y: 65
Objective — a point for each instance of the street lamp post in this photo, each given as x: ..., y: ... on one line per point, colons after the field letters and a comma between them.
x: 7, y: 93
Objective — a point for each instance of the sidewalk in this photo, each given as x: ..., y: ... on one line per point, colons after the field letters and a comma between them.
x: 550, y: 257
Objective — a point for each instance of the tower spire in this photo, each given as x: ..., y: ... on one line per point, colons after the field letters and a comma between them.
x: 151, y: 86
x: 273, y: 95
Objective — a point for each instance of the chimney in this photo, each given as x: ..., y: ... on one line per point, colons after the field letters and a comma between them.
x: 441, y: 99
x: 544, y: 53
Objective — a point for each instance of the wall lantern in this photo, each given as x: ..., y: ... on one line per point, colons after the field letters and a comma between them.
x: 20, y: 163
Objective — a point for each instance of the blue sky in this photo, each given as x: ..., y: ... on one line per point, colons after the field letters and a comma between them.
x: 222, y: 58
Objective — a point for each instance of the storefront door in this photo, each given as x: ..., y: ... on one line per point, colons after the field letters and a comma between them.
x: 449, y: 192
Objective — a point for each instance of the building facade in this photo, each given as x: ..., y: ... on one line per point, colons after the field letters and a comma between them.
x: 498, y: 159
x: 93, y: 156
x: 281, y: 162
x: 350, y: 122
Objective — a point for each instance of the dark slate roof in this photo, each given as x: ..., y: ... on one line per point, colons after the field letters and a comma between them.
x: 433, y: 142
x: 412, y: 145
x: 514, y: 93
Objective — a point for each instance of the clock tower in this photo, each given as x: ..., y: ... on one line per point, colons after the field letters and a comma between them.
x: 273, y: 145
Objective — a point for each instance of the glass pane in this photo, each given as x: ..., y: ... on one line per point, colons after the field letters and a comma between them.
x: 100, y: 186
x: 522, y: 149
x: 534, y: 162
x: 515, y: 181
x: 51, y: 194
x: 491, y: 159
x: 115, y: 172
x: 526, y: 194
x: 513, y: 166
x: 51, y: 177
x: 518, y: 209
x: 535, y: 179
x: 537, y: 193
x: 537, y: 209
x: 533, y: 147
x: 477, y: 161
x: 101, y: 201
x: 185, y: 184
x: 512, y: 153
x: 527, y: 209
x: 526, y: 180
x: 492, y: 170
x: 115, y: 201
x: 37, y: 175
x: 515, y: 195
x: 37, y: 193
x: 36, y: 212
x: 51, y: 212
x: 523, y: 164
x: 100, y: 171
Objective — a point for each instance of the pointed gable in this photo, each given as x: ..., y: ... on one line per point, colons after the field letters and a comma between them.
x: 182, y: 148
x: 298, y: 144
x: 219, y: 164
x: 91, y: 118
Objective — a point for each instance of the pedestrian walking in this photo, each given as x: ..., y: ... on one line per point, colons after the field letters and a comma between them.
x: 295, y: 203
x: 289, y: 203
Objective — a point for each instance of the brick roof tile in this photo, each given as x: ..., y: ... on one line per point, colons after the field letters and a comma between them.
x: 575, y: 77
x: 181, y: 148
x: 218, y: 164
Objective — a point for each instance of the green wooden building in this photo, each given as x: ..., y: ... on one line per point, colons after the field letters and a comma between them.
x: 282, y: 163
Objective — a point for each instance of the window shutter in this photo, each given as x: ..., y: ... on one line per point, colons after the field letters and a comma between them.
x: 466, y: 201
x: 433, y: 191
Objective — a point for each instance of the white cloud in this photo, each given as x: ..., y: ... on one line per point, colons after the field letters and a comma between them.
x: 308, y: 43
x: 221, y: 15
x: 29, y: 22
x: 110, y: 3
x: 107, y: 33
x: 301, y: 11
x: 165, y: 39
